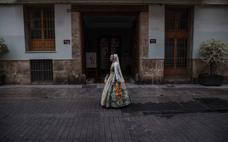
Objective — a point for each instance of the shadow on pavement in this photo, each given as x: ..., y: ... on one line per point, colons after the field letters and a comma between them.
x: 169, y: 109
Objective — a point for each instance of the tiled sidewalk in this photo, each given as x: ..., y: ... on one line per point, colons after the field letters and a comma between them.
x: 171, y: 113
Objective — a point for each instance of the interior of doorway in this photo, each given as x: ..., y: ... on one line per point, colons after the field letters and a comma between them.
x: 104, y: 35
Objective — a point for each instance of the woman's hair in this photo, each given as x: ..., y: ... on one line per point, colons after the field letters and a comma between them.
x: 111, y: 57
x: 115, y: 57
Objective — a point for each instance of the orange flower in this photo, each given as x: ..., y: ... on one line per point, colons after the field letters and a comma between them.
x: 118, y: 89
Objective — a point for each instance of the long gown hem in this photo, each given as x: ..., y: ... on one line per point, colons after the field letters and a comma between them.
x: 109, y: 98
x: 116, y: 107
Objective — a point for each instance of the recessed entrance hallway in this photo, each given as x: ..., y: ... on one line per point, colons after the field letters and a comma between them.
x: 106, y: 34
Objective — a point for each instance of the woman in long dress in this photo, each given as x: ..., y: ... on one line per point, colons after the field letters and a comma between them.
x: 115, y: 94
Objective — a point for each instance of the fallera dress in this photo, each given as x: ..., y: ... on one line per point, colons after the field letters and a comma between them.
x: 115, y: 94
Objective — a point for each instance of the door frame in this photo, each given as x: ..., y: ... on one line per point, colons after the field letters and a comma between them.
x: 187, y: 71
x: 116, y: 10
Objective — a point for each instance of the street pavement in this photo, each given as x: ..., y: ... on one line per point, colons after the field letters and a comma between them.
x: 71, y: 113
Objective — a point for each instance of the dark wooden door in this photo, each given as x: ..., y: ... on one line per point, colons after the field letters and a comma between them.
x: 107, y: 45
x: 177, y: 26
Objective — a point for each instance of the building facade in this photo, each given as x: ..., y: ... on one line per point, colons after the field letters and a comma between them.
x: 70, y: 41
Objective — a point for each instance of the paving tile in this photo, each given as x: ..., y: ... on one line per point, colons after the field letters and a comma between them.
x: 158, y: 114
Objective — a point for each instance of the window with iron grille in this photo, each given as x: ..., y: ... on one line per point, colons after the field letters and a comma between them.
x: 41, y: 70
x: 40, y: 28
x: 177, y: 24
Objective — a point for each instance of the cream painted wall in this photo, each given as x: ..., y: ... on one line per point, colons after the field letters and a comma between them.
x: 12, y: 30
x: 209, y: 22
x: 156, y: 31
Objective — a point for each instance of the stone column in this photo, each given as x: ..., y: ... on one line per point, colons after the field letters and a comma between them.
x: 143, y: 41
x: 77, y: 46
x: 76, y: 36
x: 143, y: 32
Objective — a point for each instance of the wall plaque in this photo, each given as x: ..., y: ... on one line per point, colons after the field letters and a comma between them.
x: 66, y: 41
x: 152, y: 41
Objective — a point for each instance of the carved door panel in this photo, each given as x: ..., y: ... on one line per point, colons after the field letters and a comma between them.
x: 176, y: 41
x: 107, y: 45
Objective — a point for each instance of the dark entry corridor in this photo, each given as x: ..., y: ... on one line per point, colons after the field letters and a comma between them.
x: 106, y: 35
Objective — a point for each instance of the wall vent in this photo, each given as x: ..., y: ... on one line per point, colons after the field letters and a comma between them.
x: 41, y: 70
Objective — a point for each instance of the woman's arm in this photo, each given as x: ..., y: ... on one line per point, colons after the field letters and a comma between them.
x: 116, y: 70
x: 106, y: 78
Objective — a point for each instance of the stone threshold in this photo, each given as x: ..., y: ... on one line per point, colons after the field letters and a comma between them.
x: 129, y: 85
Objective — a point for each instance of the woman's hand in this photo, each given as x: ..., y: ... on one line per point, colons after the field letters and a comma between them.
x: 106, y: 78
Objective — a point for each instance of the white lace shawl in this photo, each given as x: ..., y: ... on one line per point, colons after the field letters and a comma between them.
x: 117, y: 69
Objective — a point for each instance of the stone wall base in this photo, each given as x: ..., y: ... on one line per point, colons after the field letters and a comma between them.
x: 16, y: 72
x: 68, y: 71
x: 64, y: 72
x: 199, y: 67
x: 151, y: 71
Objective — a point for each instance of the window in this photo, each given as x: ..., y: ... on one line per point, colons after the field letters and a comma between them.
x: 41, y: 70
x: 40, y: 28
x: 177, y: 19
x: 177, y: 40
